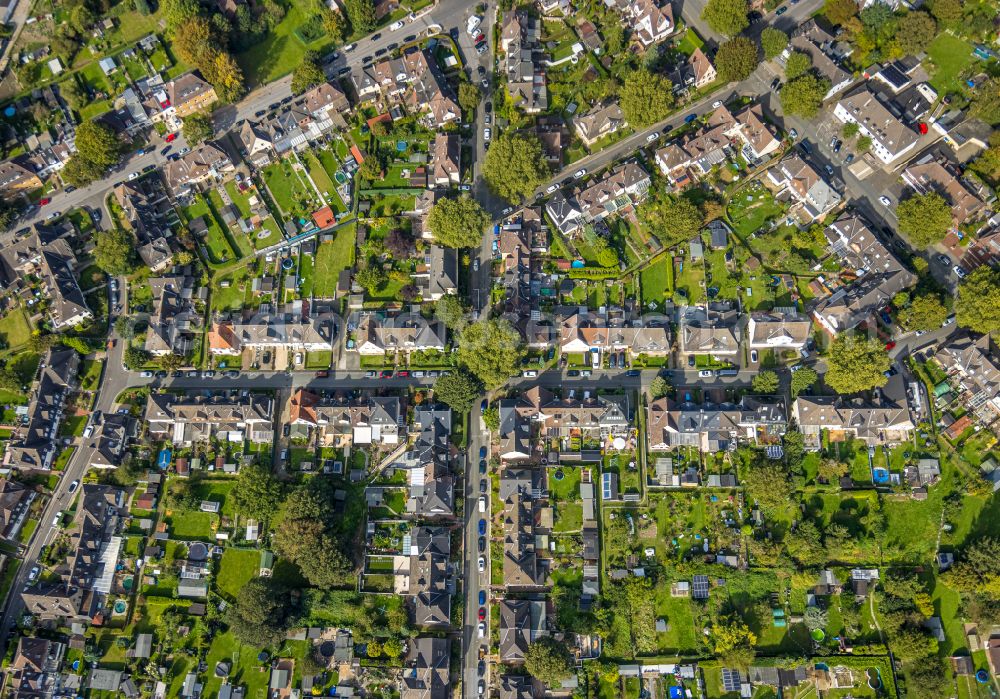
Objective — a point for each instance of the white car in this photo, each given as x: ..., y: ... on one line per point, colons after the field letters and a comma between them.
x: 298, y: 357
x: 349, y: 47
x: 87, y: 431
x: 530, y: 374
x: 482, y: 564
x: 885, y: 201
x: 487, y: 134
x: 551, y: 188
x: 716, y: 104
x: 146, y: 374
x: 395, y: 26
x: 482, y: 504
x: 753, y: 356
x: 580, y: 173
x: 706, y: 374
x: 475, y: 265
x: 959, y: 272
x: 133, y: 175
x: 481, y: 629
x: 73, y: 486
x: 652, y: 137
x: 57, y: 520
x: 473, y: 24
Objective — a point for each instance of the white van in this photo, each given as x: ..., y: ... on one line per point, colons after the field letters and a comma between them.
x: 473, y: 24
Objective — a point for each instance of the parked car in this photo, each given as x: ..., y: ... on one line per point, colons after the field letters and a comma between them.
x: 396, y: 25
x: 73, y: 486
x: 482, y: 452
x: 482, y: 597
x: 716, y: 104
x: 689, y: 118
x: 57, y: 520
x: 133, y: 175
x: 146, y: 374
x: 572, y: 372
x: 959, y: 271
x: 705, y: 373
x: 43, y: 201
x: 652, y: 137
x: 884, y: 200
x: 487, y: 133
x: 781, y: 10
x: 482, y: 613
x: 482, y: 544
x: 482, y: 465
x: 483, y: 485
x: 775, y: 83
x: 370, y: 374
x: 753, y: 356
x: 386, y: 374
x: 551, y: 188
x: 207, y: 374
x: 580, y: 173
x: 482, y: 564
x: 33, y: 573
x: 161, y: 374
x: 482, y: 504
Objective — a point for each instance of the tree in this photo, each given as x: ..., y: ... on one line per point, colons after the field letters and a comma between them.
x: 451, y: 311
x: 879, y: 21
x: 734, y: 643
x: 924, y: 218
x: 97, y: 143
x: 226, y: 76
x: 804, y: 95
x: 515, y: 166
x: 765, y: 382
x: 143, y: 8
x: 947, y: 11
x: 371, y: 278
x: 257, y: 494
x: 491, y: 418
x: 459, y: 390
x: 76, y: 343
x: 548, y: 661
x: 986, y: 101
x: 491, y: 349
x: 864, y: 143
x: 114, y: 251
x: 177, y: 12
x: 850, y: 129
x: 856, y: 364
x: 815, y: 618
x: 392, y: 648
x: 978, y: 304
x: 915, y: 31
x: 768, y: 484
x: 195, y: 42
x: 125, y: 327
x: 831, y: 470
x: 978, y: 567
x: 399, y: 243
x: 802, y: 379
x: 334, y: 24
x: 469, y: 96
x: 325, y: 565
x: 458, y: 223
x: 772, y: 41
x: 670, y: 218
x: 261, y: 614
x: 840, y: 12
x: 912, y: 643
x: 373, y: 649
x: 308, y: 73
x: 134, y: 358
x: 925, y: 312
x: 80, y: 172
x: 798, y: 63
x: 659, y: 387
x: 171, y: 361
x: 727, y: 17
x: 736, y: 59
x: 645, y: 98
x: 361, y: 14
x: 198, y: 127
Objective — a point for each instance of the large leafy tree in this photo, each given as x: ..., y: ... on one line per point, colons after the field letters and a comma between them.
x: 804, y: 95
x: 978, y: 304
x: 645, y: 98
x: 802, y: 379
x: 986, y: 102
x: 134, y: 358
x: 772, y: 42
x: 840, y: 12
x: 879, y: 21
x: 736, y: 59
x: 798, y: 63
x: 856, y: 364
x: 548, y: 661
x: 114, y: 251
x: 451, y: 311
x: 491, y: 349
x: 672, y: 219
x: 727, y: 17
x: 257, y: 493
x: 458, y: 223
x: 947, y: 11
x: 361, y: 14
x: 767, y: 483
x: 924, y: 218
x: 925, y: 312
x: 765, y: 382
x: 97, y: 143
x: 459, y: 390
x: 734, y: 643
x: 308, y: 73
x: 469, y: 96
x: 261, y: 614
x: 515, y: 166
x: 915, y: 31
x: 197, y: 128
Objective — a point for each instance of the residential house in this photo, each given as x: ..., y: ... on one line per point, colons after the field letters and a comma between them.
x: 583, y: 331
x: 965, y: 135
x: 618, y: 192
x: 873, y: 276
x: 714, y: 330
x: 428, y: 577
x: 375, y: 334
x: 340, y: 421
x: 290, y: 329
x: 600, y: 121
x: 186, y: 420
x: 778, y: 329
x: 150, y: 215
x: 522, y: 622
x: 175, y: 323
x: 891, y: 138
x: 973, y: 367
x: 800, y: 182
x: 46, y: 253
x: 426, y: 673
x: 413, y: 80
x: 310, y: 119
x: 188, y: 94
x: 428, y: 462
x: 111, y: 436
x: 446, y: 160
x: 935, y: 174
x: 884, y: 419
x: 15, y: 500
x: 34, y: 673
x: 520, y: 42
x: 693, y: 72
x: 206, y: 163
x: 711, y: 427
x: 85, y: 576
x: 650, y: 21
x: 825, y: 52
x: 438, y: 276
x: 18, y: 177
x: 34, y: 444
x: 516, y: 687
x: 522, y: 569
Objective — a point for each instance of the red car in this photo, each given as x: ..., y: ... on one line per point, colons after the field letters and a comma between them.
x: 386, y: 374
x: 889, y: 345
x: 482, y: 614
x: 169, y: 138
x: 479, y: 38
x: 44, y: 201
x: 403, y: 374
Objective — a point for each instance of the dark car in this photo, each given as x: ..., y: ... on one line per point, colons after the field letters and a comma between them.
x: 322, y: 374
x: 165, y: 150
x: 781, y: 10
x: 775, y: 83
x: 380, y: 52
x: 482, y: 527
x: 376, y: 37
x: 482, y: 544
x: 572, y: 372
x: 392, y: 47
x: 488, y: 106
x: 482, y: 486
x: 481, y: 70
x: 344, y: 71
x: 691, y: 361
x: 633, y: 372
x: 482, y: 667
x: 482, y: 406
x: 387, y: 374
x: 177, y: 374
x: 274, y: 105
x: 482, y: 597
x: 482, y: 452
x: 161, y: 374
x: 482, y: 465
x: 453, y: 32
x: 286, y: 430
x: 232, y: 374
x: 411, y: 37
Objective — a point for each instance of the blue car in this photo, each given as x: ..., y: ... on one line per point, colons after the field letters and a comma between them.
x: 483, y: 406
x: 482, y: 527
x: 689, y: 118
x: 482, y: 597
x: 482, y: 452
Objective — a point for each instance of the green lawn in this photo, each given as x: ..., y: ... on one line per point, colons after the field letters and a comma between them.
x: 15, y: 330
x: 282, y: 50
x: 90, y: 374
x: 319, y: 360
x: 293, y: 196
x: 320, y: 176
x: 236, y: 569
x: 273, y: 234
x: 191, y: 525
x: 331, y: 258
x: 752, y: 208
x: 72, y: 425
x: 91, y: 277
x: 657, y: 280
x: 246, y: 670
x: 242, y: 246
x: 948, y: 57
x: 214, y: 240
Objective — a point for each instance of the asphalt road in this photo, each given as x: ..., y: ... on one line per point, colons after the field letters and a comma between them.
x: 474, y: 580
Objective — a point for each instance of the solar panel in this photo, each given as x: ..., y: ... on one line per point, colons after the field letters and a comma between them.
x: 699, y: 587
x: 730, y: 680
